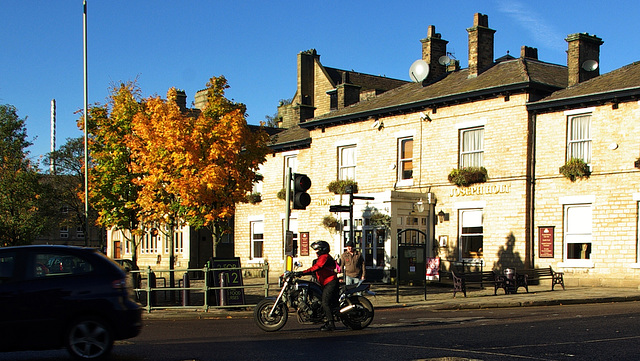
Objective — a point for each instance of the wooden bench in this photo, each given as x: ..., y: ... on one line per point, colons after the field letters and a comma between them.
x: 462, y: 280
x: 530, y: 276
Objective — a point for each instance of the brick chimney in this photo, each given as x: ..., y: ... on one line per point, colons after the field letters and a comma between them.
x: 582, y: 47
x: 347, y: 93
x: 181, y: 100
x: 480, y: 45
x: 528, y: 52
x: 433, y: 48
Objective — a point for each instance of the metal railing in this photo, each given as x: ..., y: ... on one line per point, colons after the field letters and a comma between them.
x: 196, y: 288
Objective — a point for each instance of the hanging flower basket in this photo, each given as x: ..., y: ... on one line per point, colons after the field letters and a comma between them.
x: 575, y: 168
x: 340, y: 186
x: 254, y: 198
x: 463, y: 177
x: 331, y: 223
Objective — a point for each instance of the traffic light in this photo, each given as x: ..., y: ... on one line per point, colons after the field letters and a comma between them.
x: 301, y: 183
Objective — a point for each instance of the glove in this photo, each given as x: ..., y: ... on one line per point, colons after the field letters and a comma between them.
x: 298, y: 274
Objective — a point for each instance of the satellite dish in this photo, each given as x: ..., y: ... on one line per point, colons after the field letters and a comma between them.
x: 444, y: 60
x: 590, y: 65
x: 419, y: 71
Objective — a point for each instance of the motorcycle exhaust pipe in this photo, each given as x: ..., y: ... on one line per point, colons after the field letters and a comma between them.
x: 347, y: 309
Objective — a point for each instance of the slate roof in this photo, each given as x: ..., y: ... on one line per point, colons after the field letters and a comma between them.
x: 618, y: 84
x: 292, y: 138
x: 506, y: 77
x: 365, y: 81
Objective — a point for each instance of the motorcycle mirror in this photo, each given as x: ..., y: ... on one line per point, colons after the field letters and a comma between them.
x: 297, y: 264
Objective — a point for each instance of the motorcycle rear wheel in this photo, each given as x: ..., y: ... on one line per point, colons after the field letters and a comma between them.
x: 359, y: 317
x: 272, y: 322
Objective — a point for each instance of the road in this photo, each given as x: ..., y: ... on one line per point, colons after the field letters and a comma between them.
x: 575, y: 332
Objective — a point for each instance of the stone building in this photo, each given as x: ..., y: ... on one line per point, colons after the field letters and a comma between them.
x: 404, y: 146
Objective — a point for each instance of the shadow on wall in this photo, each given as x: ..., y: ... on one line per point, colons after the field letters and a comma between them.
x: 507, y: 258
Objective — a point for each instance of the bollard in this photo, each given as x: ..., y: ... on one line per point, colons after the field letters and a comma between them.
x: 152, y: 284
x: 223, y: 301
x: 185, y: 292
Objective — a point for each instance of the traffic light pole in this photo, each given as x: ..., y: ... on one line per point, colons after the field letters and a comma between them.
x: 287, y: 216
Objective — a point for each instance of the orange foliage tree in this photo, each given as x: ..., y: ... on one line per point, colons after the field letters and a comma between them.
x: 195, y: 166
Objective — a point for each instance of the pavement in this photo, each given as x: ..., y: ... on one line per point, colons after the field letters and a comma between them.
x: 440, y: 297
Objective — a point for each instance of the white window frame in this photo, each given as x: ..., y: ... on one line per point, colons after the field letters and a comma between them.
x: 256, y: 225
x: 579, y: 142
x: 402, y: 160
x: 290, y: 160
x: 472, y: 147
x: 461, y: 213
x: 347, y: 161
x: 573, y: 235
x: 636, y: 199
x: 64, y: 232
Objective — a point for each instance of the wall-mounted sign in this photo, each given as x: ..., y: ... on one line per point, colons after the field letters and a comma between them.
x: 545, y: 241
x: 304, y: 243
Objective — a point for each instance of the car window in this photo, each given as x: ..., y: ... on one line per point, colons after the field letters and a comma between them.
x: 56, y: 264
x: 7, y: 266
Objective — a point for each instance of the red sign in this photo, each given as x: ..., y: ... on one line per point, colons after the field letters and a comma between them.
x: 304, y: 243
x: 545, y: 241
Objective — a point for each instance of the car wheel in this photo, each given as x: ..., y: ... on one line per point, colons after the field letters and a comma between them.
x: 89, y: 338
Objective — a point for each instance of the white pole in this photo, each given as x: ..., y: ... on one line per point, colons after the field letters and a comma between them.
x: 86, y: 149
x: 52, y: 164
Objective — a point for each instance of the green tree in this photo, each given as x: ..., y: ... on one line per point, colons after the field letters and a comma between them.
x: 112, y: 190
x: 25, y: 205
x: 67, y: 178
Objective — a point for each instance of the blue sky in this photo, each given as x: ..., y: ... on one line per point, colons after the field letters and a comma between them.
x: 165, y: 43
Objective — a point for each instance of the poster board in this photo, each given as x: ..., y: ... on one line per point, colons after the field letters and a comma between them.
x: 546, y: 241
x: 232, y: 278
x: 433, y: 267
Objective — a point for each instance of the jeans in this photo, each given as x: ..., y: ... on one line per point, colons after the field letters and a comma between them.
x: 330, y: 299
x: 351, y: 280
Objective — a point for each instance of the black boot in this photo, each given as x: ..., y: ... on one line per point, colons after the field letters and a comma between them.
x: 328, y: 326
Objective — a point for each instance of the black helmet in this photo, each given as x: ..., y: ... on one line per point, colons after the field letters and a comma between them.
x: 322, y: 247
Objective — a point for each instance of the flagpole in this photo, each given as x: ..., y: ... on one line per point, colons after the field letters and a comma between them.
x: 86, y: 106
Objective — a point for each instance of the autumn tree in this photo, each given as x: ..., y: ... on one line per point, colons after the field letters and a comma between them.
x: 112, y: 190
x: 25, y: 202
x: 227, y: 154
x: 196, y: 166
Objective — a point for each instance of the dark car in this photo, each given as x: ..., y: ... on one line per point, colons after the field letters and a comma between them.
x: 63, y: 296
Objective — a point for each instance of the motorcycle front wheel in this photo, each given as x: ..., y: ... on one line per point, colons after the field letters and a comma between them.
x: 359, y: 316
x: 268, y: 321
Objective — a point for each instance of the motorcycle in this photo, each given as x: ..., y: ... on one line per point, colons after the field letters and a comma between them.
x: 355, y: 311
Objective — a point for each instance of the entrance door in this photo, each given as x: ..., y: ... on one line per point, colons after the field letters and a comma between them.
x: 116, y: 250
x: 373, y: 247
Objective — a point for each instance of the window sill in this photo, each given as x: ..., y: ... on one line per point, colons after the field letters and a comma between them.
x: 577, y: 264
x: 405, y: 183
x: 635, y: 265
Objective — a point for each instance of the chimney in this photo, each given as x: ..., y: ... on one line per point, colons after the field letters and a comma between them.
x: 480, y: 45
x: 181, y: 100
x: 347, y: 93
x: 306, y: 84
x: 527, y: 52
x: 583, y: 57
x: 433, y: 48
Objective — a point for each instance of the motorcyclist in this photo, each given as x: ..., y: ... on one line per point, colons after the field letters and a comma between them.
x: 324, y: 269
